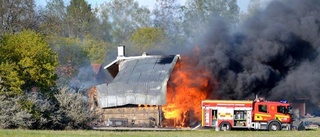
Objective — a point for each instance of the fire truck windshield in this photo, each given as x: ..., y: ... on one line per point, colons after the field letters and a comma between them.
x: 284, y: 109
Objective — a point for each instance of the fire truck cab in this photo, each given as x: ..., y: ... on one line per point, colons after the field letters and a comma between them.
x: 258, y: 114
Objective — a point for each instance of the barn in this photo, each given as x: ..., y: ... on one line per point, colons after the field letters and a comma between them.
x: 139, y: 88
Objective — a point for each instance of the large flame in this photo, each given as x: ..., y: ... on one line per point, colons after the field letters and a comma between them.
x: 187, y: 87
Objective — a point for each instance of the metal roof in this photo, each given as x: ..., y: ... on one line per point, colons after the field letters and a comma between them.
x: 139, y: 80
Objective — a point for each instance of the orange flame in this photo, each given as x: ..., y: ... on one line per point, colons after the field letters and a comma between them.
x: 187, y: 87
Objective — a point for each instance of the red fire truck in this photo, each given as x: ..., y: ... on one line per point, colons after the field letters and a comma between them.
x: 258, y: 114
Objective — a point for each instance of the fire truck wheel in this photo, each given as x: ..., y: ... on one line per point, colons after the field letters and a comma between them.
x: 225, y: 126
x: 274, y: 126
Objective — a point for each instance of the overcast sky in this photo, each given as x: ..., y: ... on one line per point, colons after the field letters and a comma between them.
x: 243, y: 4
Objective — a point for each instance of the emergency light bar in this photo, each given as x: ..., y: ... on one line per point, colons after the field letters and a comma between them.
x: 283, y: 101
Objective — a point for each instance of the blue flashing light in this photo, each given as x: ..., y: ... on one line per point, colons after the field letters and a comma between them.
x: 284, y: 101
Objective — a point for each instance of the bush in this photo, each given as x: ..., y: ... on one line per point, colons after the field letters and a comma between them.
x: 73, y: 110
x: 41, y: 108
x: 12, y: 115
x: 69, y: 110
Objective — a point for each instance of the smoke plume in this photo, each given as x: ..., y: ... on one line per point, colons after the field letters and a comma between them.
x: 274, y: 54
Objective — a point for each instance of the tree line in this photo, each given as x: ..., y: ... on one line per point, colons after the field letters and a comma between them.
x: 42, y: 49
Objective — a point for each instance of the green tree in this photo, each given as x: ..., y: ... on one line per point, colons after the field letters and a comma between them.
x: 254, y: 6
x: 125, y: 17
x: 168, y: 15
x: 80, y: 18
x: 27, y: 62
x: 96, y: 49
x: 16, y: 15
x: 71, y: 56
x: 11, y: 82
x: 148, y: 38
x: 55, y: 19
x: 105, y: 27
x: 198, y: 14
x: 2, y: 88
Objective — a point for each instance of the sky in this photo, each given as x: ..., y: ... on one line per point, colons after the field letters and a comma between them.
x: 243, y: 4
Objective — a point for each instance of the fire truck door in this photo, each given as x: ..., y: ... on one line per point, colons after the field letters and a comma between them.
x: 207, y: 117
x: 214, y: 117
x: 249, y: 118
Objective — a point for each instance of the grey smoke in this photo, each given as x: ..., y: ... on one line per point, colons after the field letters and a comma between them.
x: 274, y: 54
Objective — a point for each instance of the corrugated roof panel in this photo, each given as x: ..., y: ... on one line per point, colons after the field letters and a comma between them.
x: 121, y: 99
x: 102, y: 90
x: 133, y: 78
x: 152, y: 100
x: 146, y: 77
x: 140, y: 81
x: 130, y: 97
x: 111, y: 100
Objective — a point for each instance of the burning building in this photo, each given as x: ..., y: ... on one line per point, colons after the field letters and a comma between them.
x: 138, y: 90
x: 148, y: 91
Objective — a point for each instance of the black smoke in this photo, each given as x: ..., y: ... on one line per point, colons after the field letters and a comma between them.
x: 275, y: 53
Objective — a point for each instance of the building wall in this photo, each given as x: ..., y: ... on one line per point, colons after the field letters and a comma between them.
x: 129, y: 116
x: 299, y: 109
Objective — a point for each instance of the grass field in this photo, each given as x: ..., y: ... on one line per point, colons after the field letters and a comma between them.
x: 198, y: 133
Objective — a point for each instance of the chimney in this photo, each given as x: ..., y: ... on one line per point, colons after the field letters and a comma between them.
x: 121, y: 51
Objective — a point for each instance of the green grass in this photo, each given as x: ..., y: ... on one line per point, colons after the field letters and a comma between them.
x: 198, y: 133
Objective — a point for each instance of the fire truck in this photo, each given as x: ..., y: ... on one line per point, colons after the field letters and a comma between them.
x: 257, y: 115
